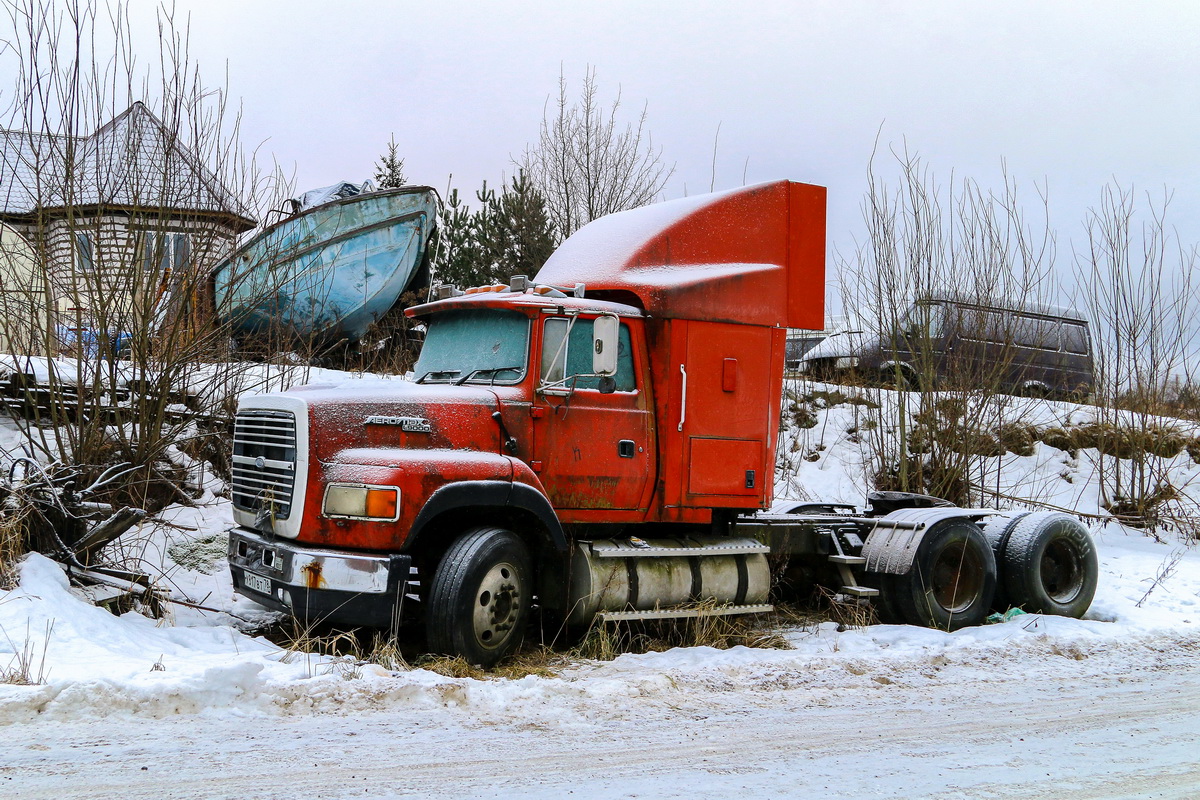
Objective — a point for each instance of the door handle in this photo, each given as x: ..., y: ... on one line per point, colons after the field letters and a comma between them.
x: 683, y: 398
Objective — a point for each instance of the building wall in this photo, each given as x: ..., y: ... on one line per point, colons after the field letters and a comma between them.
x: 110, y: 286
x: 23, y: 296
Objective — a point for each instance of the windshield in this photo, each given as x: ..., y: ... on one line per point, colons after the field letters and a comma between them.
x: 484, y: 346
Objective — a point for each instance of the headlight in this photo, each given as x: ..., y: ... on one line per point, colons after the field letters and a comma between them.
x: 846, y: 362
x: 360, y: 501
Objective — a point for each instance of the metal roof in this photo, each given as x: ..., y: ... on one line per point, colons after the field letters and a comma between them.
x: 134, y: 161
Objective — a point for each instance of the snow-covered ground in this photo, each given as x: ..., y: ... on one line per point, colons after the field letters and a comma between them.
x: 1106, y: 706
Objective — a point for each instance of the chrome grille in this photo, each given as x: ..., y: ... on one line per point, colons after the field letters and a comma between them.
x: 264, y: 461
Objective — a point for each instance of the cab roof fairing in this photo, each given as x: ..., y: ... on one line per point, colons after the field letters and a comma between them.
x: 520, y: 300
x: 752, y: 255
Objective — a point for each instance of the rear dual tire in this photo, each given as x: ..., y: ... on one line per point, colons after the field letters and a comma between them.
x: 950, y: 583
x: 1049, y: 565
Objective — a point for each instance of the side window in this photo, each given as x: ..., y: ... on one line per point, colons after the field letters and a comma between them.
x: 995, y: 328
x: 1041, y: 334
x: 924, y: 320
x: 84, y: 259
x: 181, y: 251
x: 564, y: 359
x: 149, y: 249
x: 1075, y: 338
x: 164, y: 252
x: 977, y: 324
x: 554, y: 349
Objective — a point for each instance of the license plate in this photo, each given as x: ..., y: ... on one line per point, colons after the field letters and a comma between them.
x: 258, y: 583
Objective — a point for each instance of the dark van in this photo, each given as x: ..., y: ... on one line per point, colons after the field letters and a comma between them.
x: 1024, y: 349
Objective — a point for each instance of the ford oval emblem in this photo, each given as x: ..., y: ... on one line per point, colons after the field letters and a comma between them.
x: 260, y: 462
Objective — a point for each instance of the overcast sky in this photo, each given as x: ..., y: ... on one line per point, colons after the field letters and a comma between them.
x: 1073, y: 94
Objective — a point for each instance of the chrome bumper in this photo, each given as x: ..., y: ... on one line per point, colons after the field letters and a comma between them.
x: 295, y: 566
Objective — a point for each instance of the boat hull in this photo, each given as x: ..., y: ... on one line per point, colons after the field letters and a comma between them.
x: 331, y: 270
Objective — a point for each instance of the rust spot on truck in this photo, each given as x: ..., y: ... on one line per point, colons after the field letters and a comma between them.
x: 313, y: 578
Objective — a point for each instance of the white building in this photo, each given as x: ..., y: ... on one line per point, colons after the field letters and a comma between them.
x: 117, y: 220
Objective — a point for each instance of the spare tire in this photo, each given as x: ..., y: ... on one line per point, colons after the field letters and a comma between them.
x: 1050, y: 565
x: 952, y: 579
x: 997, y: 530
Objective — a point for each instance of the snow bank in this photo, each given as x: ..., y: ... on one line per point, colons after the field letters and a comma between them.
x: 100, y: 664
x: 198, y: 662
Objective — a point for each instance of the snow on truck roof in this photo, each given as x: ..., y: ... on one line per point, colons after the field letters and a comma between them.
x: 501, y: 296
x: 753, y: 255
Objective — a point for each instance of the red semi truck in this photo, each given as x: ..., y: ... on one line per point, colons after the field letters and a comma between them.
x: 601, y: 443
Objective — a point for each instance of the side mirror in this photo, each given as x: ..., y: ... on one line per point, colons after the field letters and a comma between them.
x: 604, y: 345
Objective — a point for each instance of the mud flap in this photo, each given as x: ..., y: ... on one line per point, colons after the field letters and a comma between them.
x: 892, y: 544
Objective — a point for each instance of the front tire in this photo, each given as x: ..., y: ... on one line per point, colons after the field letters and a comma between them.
x: 479, y: 599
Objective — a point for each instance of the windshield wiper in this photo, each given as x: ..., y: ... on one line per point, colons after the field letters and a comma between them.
x: 435, y: 372
x: 482, y: 371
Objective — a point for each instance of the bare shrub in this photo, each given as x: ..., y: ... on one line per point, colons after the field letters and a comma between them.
x: 1139, y: 285
x: 936, y: 259
x: 129, y: 185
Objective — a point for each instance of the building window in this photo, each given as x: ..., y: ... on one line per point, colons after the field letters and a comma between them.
x: 84, y: 262
x: 165, y: 252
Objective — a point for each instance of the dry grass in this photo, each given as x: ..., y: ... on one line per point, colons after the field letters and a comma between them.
x: 607, y: 640
x: 849, y: 615
x: 28, y: 666
x: 13, y: 539
x: 539, y: 660
x: 350, y: 651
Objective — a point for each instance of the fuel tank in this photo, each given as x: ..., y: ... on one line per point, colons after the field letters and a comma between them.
x: 657, y: 574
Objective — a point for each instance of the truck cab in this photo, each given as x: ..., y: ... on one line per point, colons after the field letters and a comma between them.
x: 594, y: 443
x: 586, y: 437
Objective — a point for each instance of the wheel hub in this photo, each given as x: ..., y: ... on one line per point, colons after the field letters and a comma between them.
x: 1062, y: 572
x: 958, y: 578
x: 498, y: 602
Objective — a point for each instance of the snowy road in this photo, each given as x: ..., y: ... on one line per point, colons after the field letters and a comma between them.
x: 1115, y: 720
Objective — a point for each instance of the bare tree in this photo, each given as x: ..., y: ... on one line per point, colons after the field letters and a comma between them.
x: 129, y: 185
x: 1139, y: 282
x: 587, y: 164
x: 937, y: 261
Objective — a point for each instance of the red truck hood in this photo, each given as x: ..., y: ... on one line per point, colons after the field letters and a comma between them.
x: 399, y: 413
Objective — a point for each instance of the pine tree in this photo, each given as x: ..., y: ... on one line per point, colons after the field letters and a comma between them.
x: 530, y: 233
x: 506, y: 234
x: 389, y: 171
x: 459, y: 254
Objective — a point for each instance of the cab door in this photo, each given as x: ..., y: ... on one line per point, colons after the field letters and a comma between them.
x: 592, y: 450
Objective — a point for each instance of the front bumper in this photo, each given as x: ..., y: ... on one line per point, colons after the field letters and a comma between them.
x: 318, y: 584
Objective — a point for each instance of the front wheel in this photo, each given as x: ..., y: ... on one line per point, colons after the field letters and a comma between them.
x: 479, y: 600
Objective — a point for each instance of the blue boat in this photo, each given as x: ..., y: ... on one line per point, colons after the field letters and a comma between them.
x: 331, y: 270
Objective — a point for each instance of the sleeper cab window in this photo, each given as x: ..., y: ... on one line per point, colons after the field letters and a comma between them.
x: 566, y: 356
